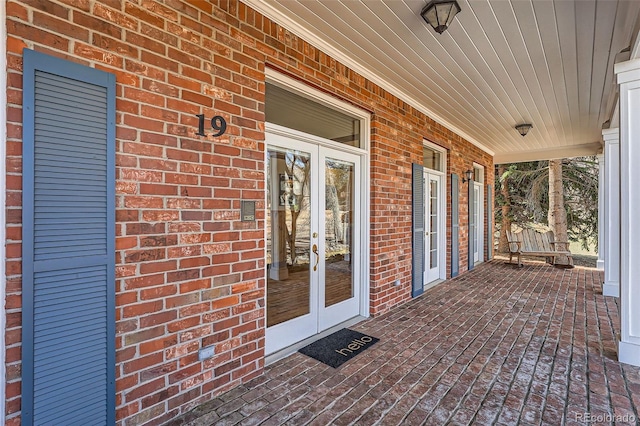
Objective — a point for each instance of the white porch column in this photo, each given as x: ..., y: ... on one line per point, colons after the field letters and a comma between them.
x: 601, y: 212
x: 611, y: 286
x: 628, y: 74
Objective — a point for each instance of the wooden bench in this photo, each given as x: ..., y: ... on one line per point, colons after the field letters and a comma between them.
x: 530, y: 242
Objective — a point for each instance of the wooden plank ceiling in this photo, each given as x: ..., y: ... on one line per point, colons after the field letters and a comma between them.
x: 500, y: 63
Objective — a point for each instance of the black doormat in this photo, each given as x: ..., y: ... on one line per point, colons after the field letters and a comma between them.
x: 339, y: 347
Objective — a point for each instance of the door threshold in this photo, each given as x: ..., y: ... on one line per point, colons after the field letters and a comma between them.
x: 432, y: 284
x: 285, y: 352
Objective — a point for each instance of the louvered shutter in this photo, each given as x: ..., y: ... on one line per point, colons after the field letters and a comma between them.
x: 417, y: 249
x: 455, y: 226
x: 68, y: 243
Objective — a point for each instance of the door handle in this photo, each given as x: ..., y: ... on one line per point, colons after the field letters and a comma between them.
x: 315, y: 251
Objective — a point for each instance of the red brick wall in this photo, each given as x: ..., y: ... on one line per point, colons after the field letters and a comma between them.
x: 189, y: 273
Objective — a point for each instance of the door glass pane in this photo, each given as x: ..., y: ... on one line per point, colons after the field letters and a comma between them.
x: 478, y: 175
x: 288, y: 235
x: 339, y: 211
x: 431, y: 159
x: 478, y: 226
x: 291, y: 110
x: 433, y: 223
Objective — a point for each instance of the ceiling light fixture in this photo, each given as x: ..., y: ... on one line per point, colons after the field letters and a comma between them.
x: 524, y: 128
x: 440, y: 13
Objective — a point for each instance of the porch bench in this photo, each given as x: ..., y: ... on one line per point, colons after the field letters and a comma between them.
x: 530, y: 242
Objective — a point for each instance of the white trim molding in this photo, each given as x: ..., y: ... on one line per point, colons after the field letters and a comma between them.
x: 628, y: 76
x: 601, y: 212
x: 611, y: 286
x: 442, y: 213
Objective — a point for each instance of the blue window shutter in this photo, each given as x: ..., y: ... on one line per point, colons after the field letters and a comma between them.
x: 472, y: 227
x: 68, y: 243
x: 489, y: 223
x: 455, y: 226
x: 417, y: 249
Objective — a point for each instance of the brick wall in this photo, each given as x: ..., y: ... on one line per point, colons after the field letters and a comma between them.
x: 189, y: 273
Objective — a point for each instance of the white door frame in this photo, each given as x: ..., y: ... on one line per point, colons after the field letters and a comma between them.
x: 441, y: 242
x: 296, y: 86
x: 296, y: 140
x: 442, y: 213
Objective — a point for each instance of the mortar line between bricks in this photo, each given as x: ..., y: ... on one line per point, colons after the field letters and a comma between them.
x: 459, y: 302
x: 586, y: 330
x: 520, y: 361
x: 564, y: 274
x: 586, y: 338
x: 484, y: 366
x: 571, y: 346
x: 468, y: 327
x: 544, y: 402
x: 513, y: 285
x: 615, y: 339
x: 566, y: 314
x: 557, y: 344
x: 536, y: 276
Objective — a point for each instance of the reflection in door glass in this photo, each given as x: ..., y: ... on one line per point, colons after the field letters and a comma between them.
x: 433, y: 258
x: 288, y: 235
x: 338, y: 215
x: 477, y: 225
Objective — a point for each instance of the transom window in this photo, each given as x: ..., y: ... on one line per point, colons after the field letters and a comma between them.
x: 294, y: 111
x: 432, y: 159
x: 478, y: 173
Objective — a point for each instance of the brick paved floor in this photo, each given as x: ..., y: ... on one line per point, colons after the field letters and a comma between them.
x: 499, y: 345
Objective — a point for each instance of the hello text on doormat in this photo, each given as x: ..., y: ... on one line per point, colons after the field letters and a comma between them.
x: 339, y: 347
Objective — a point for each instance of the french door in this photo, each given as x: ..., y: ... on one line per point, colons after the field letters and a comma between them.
x: 313, y: 244
x: 478, y: 220
x: 433, y: 237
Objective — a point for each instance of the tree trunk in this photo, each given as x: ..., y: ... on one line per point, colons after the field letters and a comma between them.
x: 503, y: 245
x: 557, y: 213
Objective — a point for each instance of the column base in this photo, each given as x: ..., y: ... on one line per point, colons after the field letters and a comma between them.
x: 279, y: 273
x: 600, y: 264
x: 611, y: 288
x: 629, y: 353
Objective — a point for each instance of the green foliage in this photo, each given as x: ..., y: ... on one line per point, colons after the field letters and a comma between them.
x: 528, y: 185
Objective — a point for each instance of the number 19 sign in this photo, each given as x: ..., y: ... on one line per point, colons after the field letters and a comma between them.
x: 218, y: 124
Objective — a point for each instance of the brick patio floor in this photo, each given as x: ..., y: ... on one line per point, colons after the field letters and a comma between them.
x: 499, y: 345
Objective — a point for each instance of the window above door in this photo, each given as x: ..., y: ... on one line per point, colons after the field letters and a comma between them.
x: 434, y: 157
x: 478, y: 173
x: 293, y: 105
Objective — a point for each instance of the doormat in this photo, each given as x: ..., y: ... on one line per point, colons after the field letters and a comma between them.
x: 339, y: 347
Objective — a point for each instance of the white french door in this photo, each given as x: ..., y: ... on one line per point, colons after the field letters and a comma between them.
x: 313, y: 244
x: 433, y: 227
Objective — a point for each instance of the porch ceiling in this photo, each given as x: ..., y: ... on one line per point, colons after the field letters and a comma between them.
x: 500, y: 63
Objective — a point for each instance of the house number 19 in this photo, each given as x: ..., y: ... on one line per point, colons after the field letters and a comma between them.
x: 218, y: 124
